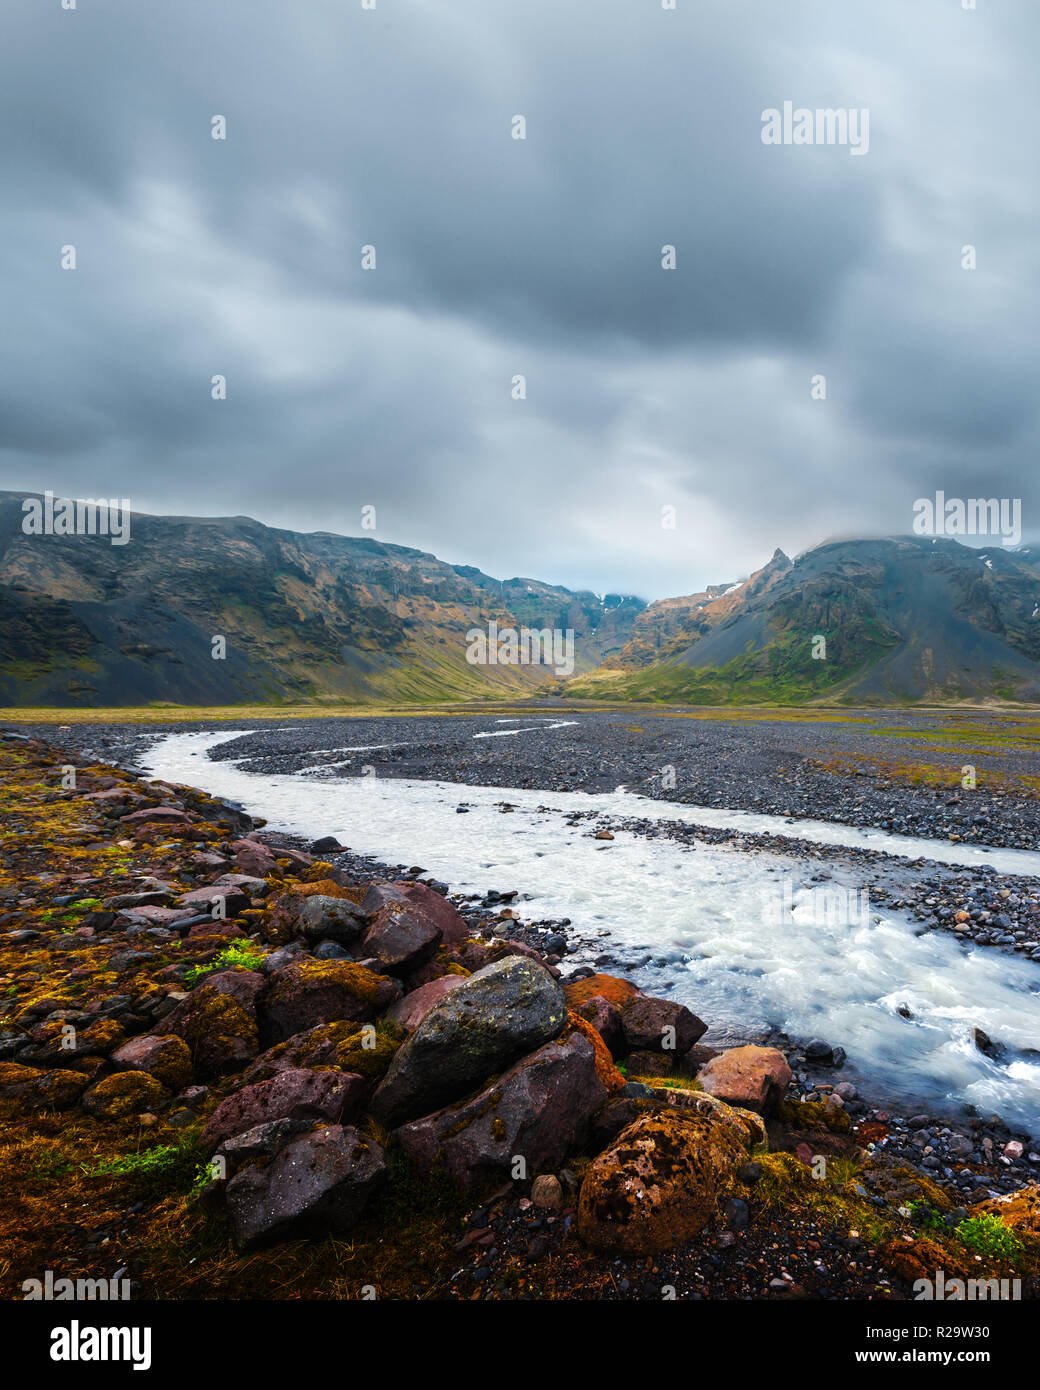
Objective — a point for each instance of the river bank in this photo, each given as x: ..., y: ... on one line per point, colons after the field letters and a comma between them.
x: 109, y: 932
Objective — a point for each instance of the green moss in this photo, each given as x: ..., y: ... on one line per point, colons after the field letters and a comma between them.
x: 805, y: 1114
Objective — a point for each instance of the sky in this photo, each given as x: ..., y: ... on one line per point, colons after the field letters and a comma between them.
x: 671, y: 434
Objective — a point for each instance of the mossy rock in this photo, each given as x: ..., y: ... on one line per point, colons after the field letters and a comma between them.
x: 339, y: 1046
x: 128, y: 1093
x: 30, y: 1087
x: 308, y: 993
x: 220, y: 1032
x: 920, y: 1259
x: 811, y: 1114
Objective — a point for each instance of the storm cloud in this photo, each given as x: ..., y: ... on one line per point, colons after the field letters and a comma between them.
x: 496, y: 257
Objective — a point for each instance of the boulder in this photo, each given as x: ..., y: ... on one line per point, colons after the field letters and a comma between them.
x: 605, y: 1017
x: 612, y: 988
x: 753, y: 1077
x: 410, y: 1011
x: 254, y: 858
x: 492, y: 1018
x: 33, y: 1087
x: 218, y: 1021
x: 234, y: 895
x: 311, y: 992
x: 322, y: 918
x: 165, y: 1056
x: 659, y: 1025
x: 400, y: 936
x: 538, y: 1110
x: 128, y: 1093
x: 450, y: 925
x: 158, y: 815
x: 659, y: 1182
x: 318, y: 1183
x: 294, y: 1094
x: 351, y: 1047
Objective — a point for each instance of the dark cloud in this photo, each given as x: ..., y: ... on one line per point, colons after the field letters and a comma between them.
x: 645, y: 388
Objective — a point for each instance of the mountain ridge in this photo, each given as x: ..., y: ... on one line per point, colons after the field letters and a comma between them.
x: 318, y: 616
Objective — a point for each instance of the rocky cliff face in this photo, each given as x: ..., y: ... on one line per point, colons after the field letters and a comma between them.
x: 902, y: 619
x: 85, y: 622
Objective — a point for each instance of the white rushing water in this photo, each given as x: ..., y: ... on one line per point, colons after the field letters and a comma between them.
x: 713, y: 922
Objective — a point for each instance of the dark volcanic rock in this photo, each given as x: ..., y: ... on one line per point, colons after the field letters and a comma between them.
x: 493, y: 1018
x: 539, y: 1110
x: 659, y: 1025
x: 318, y: 1183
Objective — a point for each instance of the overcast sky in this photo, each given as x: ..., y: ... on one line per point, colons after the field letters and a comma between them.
x: 495, y: 257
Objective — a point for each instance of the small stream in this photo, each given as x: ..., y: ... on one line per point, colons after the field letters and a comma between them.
x: 739, y: 937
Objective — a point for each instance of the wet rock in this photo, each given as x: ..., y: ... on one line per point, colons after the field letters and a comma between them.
x: 492, y: 1018
x: 986, y: 1045
x: 318, y: 1183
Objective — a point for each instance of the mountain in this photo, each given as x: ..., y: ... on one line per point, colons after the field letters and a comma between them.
x: 905, y: 619
x: 84, y: 622
x: 670, y: 625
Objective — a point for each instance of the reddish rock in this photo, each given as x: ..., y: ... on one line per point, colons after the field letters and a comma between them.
x: 294, y: 1094
x: 400, y: 937
x: 410, y: 1011
x: 539, y: 1109
x: 612, y: 988
x: 254, y: 858
x: 451, y: 925
x: 753, y: 1077
x: 235, y: 898
x: 658, y: 1184
x: 164, y: 815
x: 605, y: 1017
